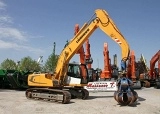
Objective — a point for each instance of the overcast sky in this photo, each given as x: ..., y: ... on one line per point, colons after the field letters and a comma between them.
x: 29, y: 27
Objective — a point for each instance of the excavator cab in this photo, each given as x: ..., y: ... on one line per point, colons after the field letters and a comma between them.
x: 77, y: 73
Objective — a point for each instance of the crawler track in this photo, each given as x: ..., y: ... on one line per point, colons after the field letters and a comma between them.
x: 45, y: 94
x: 85, y: 94
x: 78, y: 93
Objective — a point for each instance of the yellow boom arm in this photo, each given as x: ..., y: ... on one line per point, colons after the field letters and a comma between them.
x: 102, y: 21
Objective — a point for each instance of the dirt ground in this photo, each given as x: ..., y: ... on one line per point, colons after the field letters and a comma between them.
x: 15, y: 102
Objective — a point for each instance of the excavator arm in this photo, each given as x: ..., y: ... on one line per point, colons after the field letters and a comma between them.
x: 102, y: 21
x: 153, y: 60
x: 61, y: 86
x: 106, y: 73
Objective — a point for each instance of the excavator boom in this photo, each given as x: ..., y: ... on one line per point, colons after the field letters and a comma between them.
x: 106, y: 73
x: 102, y: 21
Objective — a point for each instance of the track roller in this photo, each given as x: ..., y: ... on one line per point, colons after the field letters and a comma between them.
x: 79, y: 93
x: 157, y: 85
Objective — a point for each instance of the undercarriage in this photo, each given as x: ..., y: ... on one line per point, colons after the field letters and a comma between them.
x: 57, y: 95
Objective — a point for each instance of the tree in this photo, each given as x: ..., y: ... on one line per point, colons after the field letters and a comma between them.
x: 51, y: 62
x: 27, y: 64
x: 8, y: 64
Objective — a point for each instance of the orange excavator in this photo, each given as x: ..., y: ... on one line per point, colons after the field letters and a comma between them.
x: 81, y: 50
x: 106, y: 73
x: 110, y: 70
x: 93, y: 74
x: 65, y: 81
x: 149, y: 77
x: 85, y: 57
x: 154, y: 73
x: 131, y: 66
x: 81, y: 53
x: 131, y: 70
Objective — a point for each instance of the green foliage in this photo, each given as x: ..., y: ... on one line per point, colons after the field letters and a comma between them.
x: 51, y: 63
x: 8, y: 64
x: 28, y: 64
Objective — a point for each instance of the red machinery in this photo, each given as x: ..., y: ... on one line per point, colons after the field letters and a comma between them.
x: 81, y: 54
x: 106, y: 73
x: 86, y: 58
x: 149, y: 77
x: 93, y: 74
x: 154, y: 73
x: 81, y: 50
x: 131, y: 67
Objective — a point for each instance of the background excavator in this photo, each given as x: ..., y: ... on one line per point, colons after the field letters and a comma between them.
x: 141, y: 74
x: 153, y: 76
x: 132, y: 69
x: 85, y: 58
x: 60, y: 85
x: 106, y: 72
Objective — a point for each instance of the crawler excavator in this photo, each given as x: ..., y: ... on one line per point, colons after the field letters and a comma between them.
x: 85, y: 58
x: 132, y: 69
x: 106, y: 73
x: 154, y: 73
x: 61, y: 85
x: 110, y: 71
x: 149, y: 76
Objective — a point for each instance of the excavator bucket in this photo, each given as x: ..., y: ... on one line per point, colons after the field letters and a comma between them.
x: 125, y: 95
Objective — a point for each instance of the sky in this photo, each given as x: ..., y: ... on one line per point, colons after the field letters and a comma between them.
x: 30, y: 27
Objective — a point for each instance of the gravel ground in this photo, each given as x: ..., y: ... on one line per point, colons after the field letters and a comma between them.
x: 15, y: 102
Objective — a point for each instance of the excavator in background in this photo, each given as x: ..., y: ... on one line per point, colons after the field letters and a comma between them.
x: 62, y: 85
x: 111, y: 71
x: 148, y: 76
x: 131, y: 71
x: 85, y: 58
x: 91, y: 72
x: 154, y: 73
x: 81, y: 53
x: 142, y: 72
x: 106, y: 72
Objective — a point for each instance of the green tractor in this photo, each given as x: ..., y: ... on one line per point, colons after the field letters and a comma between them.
x: 13, y: 79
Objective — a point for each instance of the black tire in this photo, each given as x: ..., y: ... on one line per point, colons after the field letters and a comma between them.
x: 157, y: 85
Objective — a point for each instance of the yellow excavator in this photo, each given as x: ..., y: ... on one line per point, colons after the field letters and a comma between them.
x: 66, y: 81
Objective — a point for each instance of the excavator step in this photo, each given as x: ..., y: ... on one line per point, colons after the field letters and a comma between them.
x: 45, y: 94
